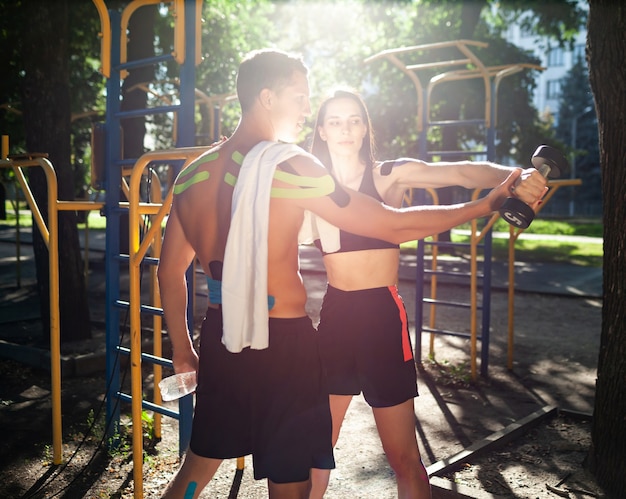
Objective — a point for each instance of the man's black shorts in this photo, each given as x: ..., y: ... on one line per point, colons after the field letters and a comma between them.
x: 270, y: 403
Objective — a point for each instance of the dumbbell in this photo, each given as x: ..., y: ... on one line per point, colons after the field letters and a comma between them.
x: 549, y: 161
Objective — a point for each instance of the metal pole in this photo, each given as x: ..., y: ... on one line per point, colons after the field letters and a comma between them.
x: 573, y: 161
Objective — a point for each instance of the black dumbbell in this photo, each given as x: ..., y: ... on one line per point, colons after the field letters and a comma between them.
x: 549, y: 161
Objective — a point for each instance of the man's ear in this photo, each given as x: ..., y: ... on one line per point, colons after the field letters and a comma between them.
x: 266, y: 97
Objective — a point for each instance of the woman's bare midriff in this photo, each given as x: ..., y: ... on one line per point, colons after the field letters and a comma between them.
x: 367, y: 269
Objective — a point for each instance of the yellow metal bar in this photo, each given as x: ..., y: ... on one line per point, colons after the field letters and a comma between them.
x: 55, y: 328
x: 514, y: 234
x: 50, y: 236
x: 105, y: 38
x: 127, y: 13
x: 473, y: 297
x: 426, y: 46
x: 5, y: 147
x: 433, y: 281
x: 199, y: 57
x: 157, y: 320
x: 154, y: 232
x: 179, y: 31
x: 135, y: 335
x: 137, y: 250
x: 28, y: 194
x: 79, y: 205
x: 475, y: 238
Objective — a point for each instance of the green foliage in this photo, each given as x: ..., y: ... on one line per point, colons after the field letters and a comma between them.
x: 446, y: 373
x: 334, y: 39
x: 556, y: 21
x: 147, y: 423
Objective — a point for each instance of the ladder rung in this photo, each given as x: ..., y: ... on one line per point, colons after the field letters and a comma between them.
x: 477, y: 121
x: 450, y: 303
x: 149, y: 405
x: 448, y: 333
x: 153, y: 359
x: 146, y: 309
x: 147, y: 61
x: 149, y: 111
x: 451, y: 273
x: 457, y: 153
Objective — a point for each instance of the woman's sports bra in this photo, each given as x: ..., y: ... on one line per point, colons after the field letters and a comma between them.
x: 352, y: 242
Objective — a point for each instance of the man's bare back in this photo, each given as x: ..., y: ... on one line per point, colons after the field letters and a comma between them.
x: 204, y: 216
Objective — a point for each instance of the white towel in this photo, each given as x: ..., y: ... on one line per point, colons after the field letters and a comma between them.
x: 244, y: 276
x: 314, y: 228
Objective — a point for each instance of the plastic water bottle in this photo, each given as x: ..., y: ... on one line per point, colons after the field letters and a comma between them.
x: 177, y: 386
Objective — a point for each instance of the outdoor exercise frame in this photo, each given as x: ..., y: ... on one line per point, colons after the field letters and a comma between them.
x: 464, y: 65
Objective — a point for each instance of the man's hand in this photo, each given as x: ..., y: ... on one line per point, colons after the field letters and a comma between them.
x: 185, y: 361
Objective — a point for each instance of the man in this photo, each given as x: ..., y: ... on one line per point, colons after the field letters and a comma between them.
x: 261, y: 392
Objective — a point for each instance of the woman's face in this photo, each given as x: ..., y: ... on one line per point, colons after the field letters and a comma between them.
x: 343, y: 128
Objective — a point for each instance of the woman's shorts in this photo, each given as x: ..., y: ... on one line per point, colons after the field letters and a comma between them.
x: 270, y: 403
x: 365, y: 345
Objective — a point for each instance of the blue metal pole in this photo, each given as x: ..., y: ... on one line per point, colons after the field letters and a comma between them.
x: 419, y: 277
x: 488, y: 242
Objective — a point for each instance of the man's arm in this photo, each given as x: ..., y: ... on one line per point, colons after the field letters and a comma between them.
x: 361, y: 214
x: 176, y: 256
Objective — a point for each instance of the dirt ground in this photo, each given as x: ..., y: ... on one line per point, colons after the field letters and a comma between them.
x: 555, y: 357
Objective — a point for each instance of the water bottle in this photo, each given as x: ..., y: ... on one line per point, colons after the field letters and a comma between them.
x: 177, y: 386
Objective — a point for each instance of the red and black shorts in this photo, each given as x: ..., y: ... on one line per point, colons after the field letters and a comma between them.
x: 270, y: 403
x: 365, y: 345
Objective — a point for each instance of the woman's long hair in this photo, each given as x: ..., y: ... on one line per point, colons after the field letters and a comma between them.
x: 319, y: 147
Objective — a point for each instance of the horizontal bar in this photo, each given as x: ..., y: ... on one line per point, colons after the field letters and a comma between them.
x: 450, y: 273
x: 449, y: 303
x: 149, y: 111
x: 148, y: 61
x: 446, y: 332
x: 152, y: 359
x: 125, y: 162
x: 148, y: 260
x: 457, y: 153
x: 149, y: 405
x: 475, y: 121
x: 492, y: 441
x: 146, y: 309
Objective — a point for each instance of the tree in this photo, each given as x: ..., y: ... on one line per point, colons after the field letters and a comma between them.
x: 46, y: 108
x: 605, y: 48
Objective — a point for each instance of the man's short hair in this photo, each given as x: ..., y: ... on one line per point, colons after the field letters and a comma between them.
x: 267, y: 68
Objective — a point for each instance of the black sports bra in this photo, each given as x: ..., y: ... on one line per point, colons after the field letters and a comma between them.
x: 352, y: 242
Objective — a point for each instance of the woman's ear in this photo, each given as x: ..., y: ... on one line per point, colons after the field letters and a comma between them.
x: 321, y: 133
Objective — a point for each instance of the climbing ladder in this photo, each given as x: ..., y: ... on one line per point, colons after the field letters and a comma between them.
x: 464, y: 65
x: 145, y: 216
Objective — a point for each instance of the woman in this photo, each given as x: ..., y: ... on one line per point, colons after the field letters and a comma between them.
x: 364, y: 337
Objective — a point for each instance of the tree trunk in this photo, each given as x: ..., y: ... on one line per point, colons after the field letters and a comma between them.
x: 606, y: 47
x: 46, y: 106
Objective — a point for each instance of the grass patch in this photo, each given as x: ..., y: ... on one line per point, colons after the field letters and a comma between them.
x: 583, y: 253
x: 96, y: 221
x: 545, y: 250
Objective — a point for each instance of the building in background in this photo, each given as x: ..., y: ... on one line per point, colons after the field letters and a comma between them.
x: 558, y: 61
